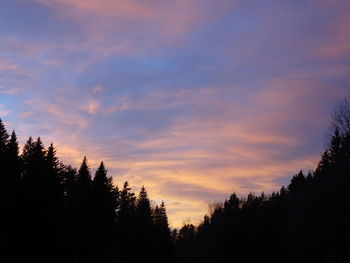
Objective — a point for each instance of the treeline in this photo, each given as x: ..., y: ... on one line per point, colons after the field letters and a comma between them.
x: 307, y: 221
x: 54, y: 213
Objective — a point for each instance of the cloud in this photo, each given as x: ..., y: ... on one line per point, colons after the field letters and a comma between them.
x: 6, y: 65
x: 193, y: 99
x: 131, y: 27
x: 200, y: 158
x: 92, y: 106
x: 8, y: 91
x: 3, y: 111
x: 97, y: 89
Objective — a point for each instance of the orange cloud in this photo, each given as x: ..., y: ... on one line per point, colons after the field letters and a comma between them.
x: 218, y: 141
x: 198, y: 160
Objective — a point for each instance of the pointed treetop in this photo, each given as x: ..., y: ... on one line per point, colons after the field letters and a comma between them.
x: 38, y: 148
x: 127, y: 198
x: 84, y: 166
x: 143, y: 193
x: 51, y: 158
x: 101, y: 171
x: 101, y: 176
x: 28, y: 147
x: 143, y: 207
x: 4, y: 136
x: 335, y: 145
x: 84, y: 172
x: 13, y: 144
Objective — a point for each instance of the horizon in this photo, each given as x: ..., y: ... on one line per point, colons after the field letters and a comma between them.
x: 192, y: 99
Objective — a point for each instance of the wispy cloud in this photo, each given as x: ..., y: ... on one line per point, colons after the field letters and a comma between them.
x: 193, y: 99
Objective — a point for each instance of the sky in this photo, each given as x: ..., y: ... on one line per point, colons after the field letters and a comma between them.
x: 194, y: 99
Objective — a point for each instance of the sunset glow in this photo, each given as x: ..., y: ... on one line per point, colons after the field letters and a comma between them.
x: 192, y: 99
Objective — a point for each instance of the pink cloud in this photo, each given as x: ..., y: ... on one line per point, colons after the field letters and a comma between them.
x: 3, y: 111
x: 7, y: 65
x: 165, y: 22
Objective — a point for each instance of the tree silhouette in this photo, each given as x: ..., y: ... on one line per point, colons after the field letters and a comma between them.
x: 53, y: 213
x: 144, y: 229
x: 104, y: 196
x: 82, y: 213
x: 162, y: 241
x: 126, y: 223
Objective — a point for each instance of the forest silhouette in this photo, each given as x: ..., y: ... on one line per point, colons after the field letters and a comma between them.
x: 52, y: 212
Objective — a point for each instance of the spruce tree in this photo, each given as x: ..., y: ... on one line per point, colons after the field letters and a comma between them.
x: 335, y: 147
x: 126, y: 223
x: 82, y: 213
x: 126, y: 202
x: 144, y: 228
x: 4, y: 136
x: 104, y: 196
x: 54, y: 191
x: 104, y: 200
x: 143, y: 208
x: 162, y: 236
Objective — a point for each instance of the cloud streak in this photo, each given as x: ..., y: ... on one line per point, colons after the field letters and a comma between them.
x: 193, y: 99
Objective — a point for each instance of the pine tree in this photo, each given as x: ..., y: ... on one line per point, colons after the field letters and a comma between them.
x: 160, y: 217
x: 12, y: 176
x: 34, y: 160
x: 52, y: 161
x: 162, y: 236
x: 104, y: 198
x: 335, y: 147
x: 4, y: 136
x: 11, y: 166
x: 13, y: 148
x: 84, y: 176
x: 126, y: 223
x: 82, y: 213
x: 54, y: 187
x: 297, y: 183
x: 104, y: 202
x: 68, y: 177
x: 143, y: 207
x: 126, y: 204
x: 231, y: 206
x: 324, y: 164
x: 27, y: 151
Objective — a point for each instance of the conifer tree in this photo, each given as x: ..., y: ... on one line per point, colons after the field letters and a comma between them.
x: 231, y: 206
x: 12, y: 176
x: 335, y: 147
x: 126, y: 223
x: 126, y: 202
x: 143, y: 208
x: 297, y: 183
x: 84, y: 177
x: 33, y: 160
x: 54, y: 193
x: 4, y: 136
x: 4, y: 158
x: 162, y: 236
x: 13, y: 148
x: 82, y: 213
x: 11, y: 168
x: 105, y: 203
x: 52, y: 161
x: 68, y: 177
x: 144, y: 228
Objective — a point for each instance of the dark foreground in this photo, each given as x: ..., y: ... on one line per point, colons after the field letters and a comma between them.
x: 54, y: 213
